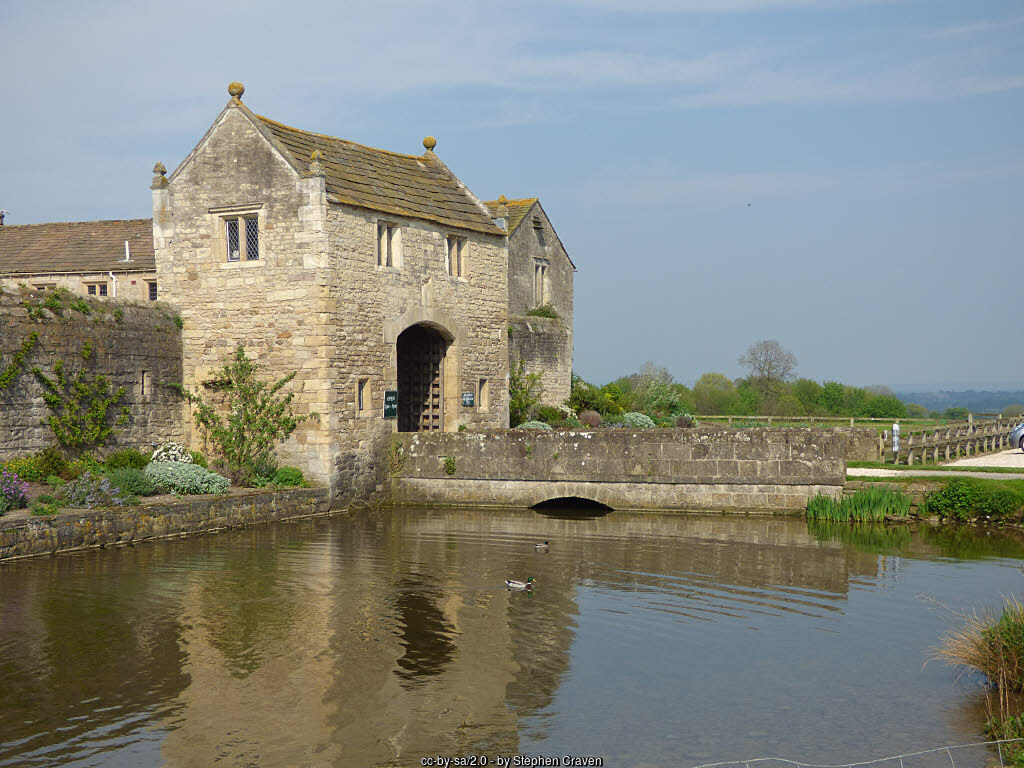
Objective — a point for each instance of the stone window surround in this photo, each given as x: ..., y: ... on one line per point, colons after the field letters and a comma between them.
x: 540, y: 282
x: 151, y: 290
x: 364, y: 398
x: 379, y: 258
x: 483, y: 395
x: 457, y: 270
x: 221, y: 215
x: 96, y: 288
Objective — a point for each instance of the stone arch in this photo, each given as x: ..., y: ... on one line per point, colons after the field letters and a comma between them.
x: 572, y: 505
x: 437, y: 322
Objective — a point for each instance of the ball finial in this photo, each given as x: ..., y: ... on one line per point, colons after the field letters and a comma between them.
x: 429, y: 143
x: 236, y: 89
x: 502, y: 200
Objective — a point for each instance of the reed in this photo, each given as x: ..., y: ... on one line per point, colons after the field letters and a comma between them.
x: 867, y: 504
x: 992, y: 646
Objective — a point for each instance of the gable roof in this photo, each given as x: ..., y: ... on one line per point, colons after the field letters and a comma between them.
x: 76, y: 246
x: 419, y: 186
x: 517, y: 210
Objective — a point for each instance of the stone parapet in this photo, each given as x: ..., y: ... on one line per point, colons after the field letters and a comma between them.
x: 25, y: 536
x: 773, y: 469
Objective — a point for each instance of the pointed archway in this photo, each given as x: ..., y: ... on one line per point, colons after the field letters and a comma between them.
x: 421, y: 363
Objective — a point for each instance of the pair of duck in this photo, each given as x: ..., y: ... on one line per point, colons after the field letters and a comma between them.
x: 529, y: 583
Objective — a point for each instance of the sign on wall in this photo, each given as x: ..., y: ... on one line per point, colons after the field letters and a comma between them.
x: 467, y: 399
x: 391, y: 404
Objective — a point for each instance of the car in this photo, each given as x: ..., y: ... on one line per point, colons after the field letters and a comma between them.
x: 1017, y: 436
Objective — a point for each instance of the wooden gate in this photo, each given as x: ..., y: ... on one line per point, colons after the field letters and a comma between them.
x: 421, y: 380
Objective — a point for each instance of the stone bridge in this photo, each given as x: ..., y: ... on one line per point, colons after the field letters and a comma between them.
x: 654, y: 469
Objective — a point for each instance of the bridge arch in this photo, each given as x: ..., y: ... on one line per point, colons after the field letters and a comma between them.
x: 577, y: 505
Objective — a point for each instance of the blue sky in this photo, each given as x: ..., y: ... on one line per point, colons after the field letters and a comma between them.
x: 878, y: 144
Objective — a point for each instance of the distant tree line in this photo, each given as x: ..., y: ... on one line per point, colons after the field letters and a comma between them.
x: 769, y: 389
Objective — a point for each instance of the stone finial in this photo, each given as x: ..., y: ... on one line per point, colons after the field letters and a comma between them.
x: 502, y: 207
x: 236, y: 89
x: 316, y: 166
x: 429, y: 142
x: 159, y: 176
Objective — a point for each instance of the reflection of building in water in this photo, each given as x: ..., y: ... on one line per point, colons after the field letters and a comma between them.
x: 377, y: 640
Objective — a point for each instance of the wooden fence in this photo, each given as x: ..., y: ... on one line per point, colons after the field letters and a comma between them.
x: 948, y: 442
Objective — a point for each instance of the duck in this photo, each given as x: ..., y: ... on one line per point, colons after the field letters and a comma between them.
x: 542, y: 547
x: 513, y: 584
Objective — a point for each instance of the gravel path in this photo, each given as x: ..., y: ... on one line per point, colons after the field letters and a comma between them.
x: 1013, y: 458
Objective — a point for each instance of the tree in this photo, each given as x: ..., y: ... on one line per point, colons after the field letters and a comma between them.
x: 833, y: 397
x: 257, y: 417
x: 713, y: 393
x: 917, y: 411
x: 885, y: 407
x: 808, y: 393
x: 768, y: 364
x: 652, y: 391
x: 524, y: 394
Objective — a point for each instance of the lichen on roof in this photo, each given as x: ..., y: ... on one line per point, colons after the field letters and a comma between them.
x: 418, y: 186
x: 517, y: 210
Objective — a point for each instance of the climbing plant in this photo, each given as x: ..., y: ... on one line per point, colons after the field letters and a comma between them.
x: 12, y: 370
x: 257, y: 416
x: 80, y: 404
x: 524, y: 394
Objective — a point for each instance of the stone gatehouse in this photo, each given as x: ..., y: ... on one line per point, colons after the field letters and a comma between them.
x: 364, y: 270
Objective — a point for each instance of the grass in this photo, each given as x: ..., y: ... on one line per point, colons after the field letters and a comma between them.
x: 933, y: 468
x: 867, y: 504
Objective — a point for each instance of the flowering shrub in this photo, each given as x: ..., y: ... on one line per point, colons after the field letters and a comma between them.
x: 534, y: 425
x: 185, y: 478
x: 90, y: 491
x: 172, y: 452
x: 13, y: 491
x: 638, y: 420
x: 26, y: 468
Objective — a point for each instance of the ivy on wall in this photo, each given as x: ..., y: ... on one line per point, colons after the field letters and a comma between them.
x: 80, y: 405
x: 11, y: 372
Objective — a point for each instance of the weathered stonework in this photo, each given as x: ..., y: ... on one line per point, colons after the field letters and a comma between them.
x: 25, y: 536
x: 544, y: 345
x: 139, y: 349
x: 755, y: 469
x: 316, y: 301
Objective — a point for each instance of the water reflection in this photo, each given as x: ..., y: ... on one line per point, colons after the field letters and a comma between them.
x: 374, y: 640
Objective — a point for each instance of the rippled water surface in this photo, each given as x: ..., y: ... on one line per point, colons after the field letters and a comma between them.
x: 384, y: 638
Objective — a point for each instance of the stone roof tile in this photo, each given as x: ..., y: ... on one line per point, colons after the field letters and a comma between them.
x: 76, y: 246
x: 404, y: 185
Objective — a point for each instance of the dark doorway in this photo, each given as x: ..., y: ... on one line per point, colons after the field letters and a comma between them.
x: 421, y: 380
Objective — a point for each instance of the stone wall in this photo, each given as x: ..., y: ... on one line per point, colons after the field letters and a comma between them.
x: 862, y: 443
x: 24, y: 536
x: 275, y: 306
x: 371, y: 305
x: 755, y: 469
x: 137, y: 346
x: 544, y: 345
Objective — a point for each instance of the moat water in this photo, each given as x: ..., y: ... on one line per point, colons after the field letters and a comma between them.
x: 385, y: 638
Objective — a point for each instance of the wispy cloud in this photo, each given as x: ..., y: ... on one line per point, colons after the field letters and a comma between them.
x: 976, y: 27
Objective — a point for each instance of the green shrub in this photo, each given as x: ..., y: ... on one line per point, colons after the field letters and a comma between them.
x: 28, y: 468
x: 590, y: 419
x: 80, y: 466
x: 290, y: 476
x: 54, y: 481
x: 92, y: 490
x: 185, y: 478
x: 132, y: 481
x: 39, y: 508
x: 127, y: 458
x: 52, y: 461
x: 534, y: 425
x: 686, y: 421
x: 198, y: 459
x: 544, y: 310
x: 638, y: 420
x: 967, y: 498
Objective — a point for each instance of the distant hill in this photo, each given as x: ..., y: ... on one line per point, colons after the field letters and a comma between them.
x: 975, y: 400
